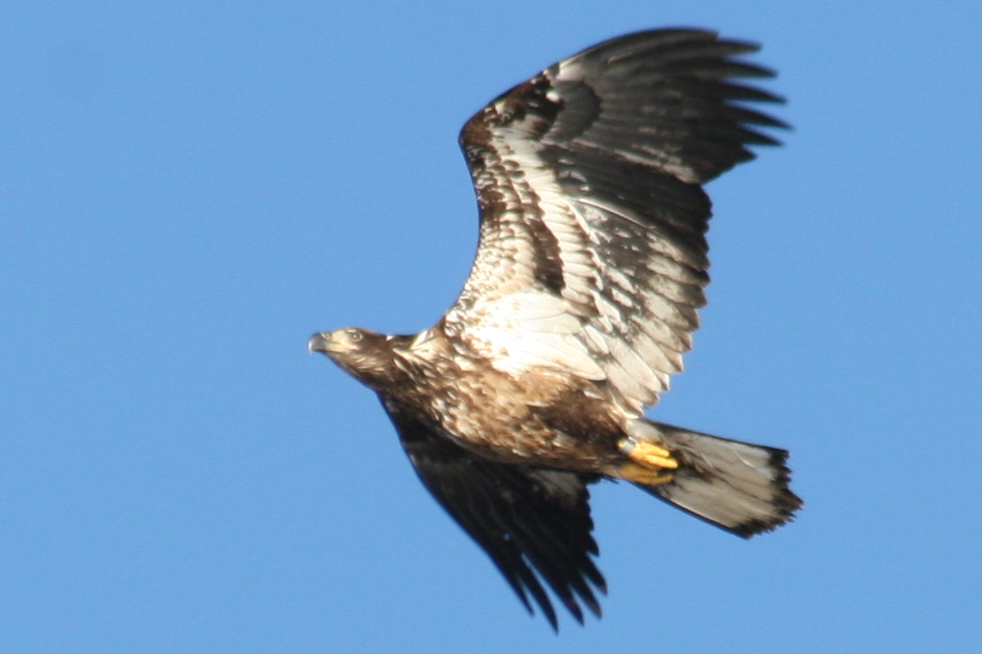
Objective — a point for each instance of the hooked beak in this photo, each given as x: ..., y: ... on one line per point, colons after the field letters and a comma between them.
x: 319, y: 343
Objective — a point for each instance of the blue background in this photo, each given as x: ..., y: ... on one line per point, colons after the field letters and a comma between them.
x: 189, y: 190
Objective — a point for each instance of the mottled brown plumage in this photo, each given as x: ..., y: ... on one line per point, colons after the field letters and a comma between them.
x: 580, y: 303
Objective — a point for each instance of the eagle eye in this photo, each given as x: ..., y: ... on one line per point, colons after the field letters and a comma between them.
x: 355, y: 336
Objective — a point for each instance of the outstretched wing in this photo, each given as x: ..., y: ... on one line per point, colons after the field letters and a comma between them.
x: 528, y: 520
x: 592, y: 256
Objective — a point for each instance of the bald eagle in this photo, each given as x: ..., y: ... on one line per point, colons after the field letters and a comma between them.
x: 580, y: 303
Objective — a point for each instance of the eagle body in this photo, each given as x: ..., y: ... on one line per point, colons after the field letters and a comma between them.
x: 539, y: 418
x: 581, y: 301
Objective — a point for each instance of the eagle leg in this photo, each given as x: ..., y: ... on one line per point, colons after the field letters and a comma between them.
x: 648, y: 461
x: 647, y: 455
x: 643, y: 474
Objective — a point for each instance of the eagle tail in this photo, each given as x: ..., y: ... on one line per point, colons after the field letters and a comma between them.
x: 740, y: 487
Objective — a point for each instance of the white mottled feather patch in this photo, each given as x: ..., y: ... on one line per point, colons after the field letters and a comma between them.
x: 606, y: 324
x: 531, y: 329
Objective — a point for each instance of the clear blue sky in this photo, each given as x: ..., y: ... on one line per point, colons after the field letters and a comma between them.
x: 189, y: 190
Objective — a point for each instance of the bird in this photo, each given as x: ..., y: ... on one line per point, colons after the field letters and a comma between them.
x: 582, y: 298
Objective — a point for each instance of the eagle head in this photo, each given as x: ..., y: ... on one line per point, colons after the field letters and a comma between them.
x: 361, y: 353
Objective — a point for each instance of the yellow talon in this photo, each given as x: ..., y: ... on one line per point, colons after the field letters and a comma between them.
x: 640, y: 474
x: 648, y: 454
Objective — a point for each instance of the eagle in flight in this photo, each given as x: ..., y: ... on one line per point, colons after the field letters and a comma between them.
x: 581, y: 300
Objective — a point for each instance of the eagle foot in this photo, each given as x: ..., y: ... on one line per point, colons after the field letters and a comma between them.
x: 647, y: 455
x: 645, y: 475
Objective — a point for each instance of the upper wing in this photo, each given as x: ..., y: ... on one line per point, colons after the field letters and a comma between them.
x: 527, y: 520
x: 592, y: 256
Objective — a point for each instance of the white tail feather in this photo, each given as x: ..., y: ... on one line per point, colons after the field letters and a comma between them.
x: 740, y: 487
